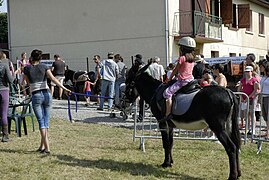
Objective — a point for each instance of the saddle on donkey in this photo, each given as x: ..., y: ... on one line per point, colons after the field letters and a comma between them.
x: 182, y: 99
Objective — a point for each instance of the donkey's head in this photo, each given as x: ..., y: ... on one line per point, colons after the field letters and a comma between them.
x: 132, y: 80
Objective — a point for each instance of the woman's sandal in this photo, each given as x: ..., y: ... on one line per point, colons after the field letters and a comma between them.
x: 39, y: 150
x: 44, y: 151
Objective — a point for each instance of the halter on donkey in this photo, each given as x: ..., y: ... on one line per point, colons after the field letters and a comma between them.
x: 212, y: 106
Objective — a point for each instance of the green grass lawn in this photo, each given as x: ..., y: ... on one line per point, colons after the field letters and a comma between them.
x: 91, y: 151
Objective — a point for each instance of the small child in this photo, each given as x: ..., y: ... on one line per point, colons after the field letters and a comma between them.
x: 87, y: 90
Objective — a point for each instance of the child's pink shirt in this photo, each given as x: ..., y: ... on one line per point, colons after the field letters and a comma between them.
x: 185, y: 69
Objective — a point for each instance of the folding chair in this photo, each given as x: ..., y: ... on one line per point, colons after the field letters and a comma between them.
x: 20, y: 116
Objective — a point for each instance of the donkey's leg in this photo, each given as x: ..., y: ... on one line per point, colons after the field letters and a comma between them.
x: 167, y: 139
x: 238, y: 163
x: 237, y: 144
x: 171, y: 140
x: 231, y: 151
x: 235, y: 137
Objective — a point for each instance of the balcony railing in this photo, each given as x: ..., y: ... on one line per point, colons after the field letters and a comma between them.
x: 197, y: 24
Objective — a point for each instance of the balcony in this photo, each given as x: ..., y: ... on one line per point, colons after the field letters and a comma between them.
x: 205, y: 28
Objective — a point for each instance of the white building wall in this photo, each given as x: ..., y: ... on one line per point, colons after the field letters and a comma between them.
x: 80, y: 29
x: 240, y: 41
x: 253, y: 40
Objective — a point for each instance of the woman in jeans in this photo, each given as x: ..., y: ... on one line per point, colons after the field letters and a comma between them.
x: 36, y: 75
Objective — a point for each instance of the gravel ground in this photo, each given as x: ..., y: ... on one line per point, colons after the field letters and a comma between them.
x: 89, y: 114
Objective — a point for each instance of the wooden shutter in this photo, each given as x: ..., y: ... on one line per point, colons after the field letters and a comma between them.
x: 185, y: 18
x: 226, y: 10
x: 200, y: 5
x: 243, y: 16
x: 185, y: 5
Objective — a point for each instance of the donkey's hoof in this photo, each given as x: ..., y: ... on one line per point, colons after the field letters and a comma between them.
x: 232, y: 178
x: 165, y: 165
x: 239, y: 174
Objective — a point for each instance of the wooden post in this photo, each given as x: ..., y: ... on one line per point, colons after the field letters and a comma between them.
x: 87, y: 64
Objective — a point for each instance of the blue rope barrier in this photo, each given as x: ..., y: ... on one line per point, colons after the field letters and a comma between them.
x: 76, y: 99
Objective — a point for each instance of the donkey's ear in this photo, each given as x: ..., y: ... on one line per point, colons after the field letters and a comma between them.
x: 267, y: 57
x: 132, y: 58
x: 150, y: 61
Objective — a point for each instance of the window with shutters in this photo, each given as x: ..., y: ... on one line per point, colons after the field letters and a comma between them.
x: 261, y: 23
x: 234, y: 15
x: 241, y: 16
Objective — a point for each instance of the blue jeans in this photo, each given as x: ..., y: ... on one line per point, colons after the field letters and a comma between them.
x: 110, y: 85
x: 118, y: 93
x: 41, y: 102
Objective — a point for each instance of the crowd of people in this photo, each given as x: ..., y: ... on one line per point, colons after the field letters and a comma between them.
x: 255, y: 81
x: 110, y: 77
x: 34, y: 74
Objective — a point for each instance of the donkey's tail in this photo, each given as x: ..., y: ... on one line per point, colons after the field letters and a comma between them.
x: 235, y: 135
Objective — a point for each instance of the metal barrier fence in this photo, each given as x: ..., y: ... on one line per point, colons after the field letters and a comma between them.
x: 149, y: 129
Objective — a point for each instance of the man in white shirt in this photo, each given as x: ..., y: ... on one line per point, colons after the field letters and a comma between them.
x: 156, y: 70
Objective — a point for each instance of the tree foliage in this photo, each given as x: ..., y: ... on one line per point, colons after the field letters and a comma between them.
x: 3, y: 27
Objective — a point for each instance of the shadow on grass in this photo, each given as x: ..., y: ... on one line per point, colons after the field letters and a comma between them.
x: 135, y: 169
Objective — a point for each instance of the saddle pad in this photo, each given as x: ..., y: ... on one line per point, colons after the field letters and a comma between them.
x: 182, y: 102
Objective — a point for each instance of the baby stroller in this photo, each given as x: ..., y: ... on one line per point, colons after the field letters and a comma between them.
x: 124, y: 107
